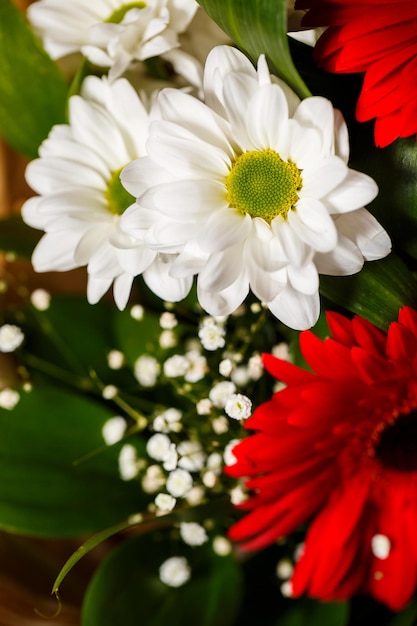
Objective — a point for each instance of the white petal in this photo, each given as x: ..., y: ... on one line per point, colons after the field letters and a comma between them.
x: 186, y: 200
x: 121, y: 290
x: 344, y: 260
x: 266, y: 286
x: 296, y: 251
x: 366, y: 232
x: 90, y: 241
x: 96, y: 288
x: 263, y: 248
x: 321, y: 177
x: 313, y: 225
x: 141, y: 174
x: 304, y: 279
x: 137, y: 259
x: 342, y: 148
x: 317, y: 112
x: 185, y: 110
x: 159, y: 281
x: 267, y: 117
x: 190, y: 261
x: 222, y: 269
x: 226, y: 301
x: 55, y: 252
x: 238, y: 90
x: 297, y: 310
x: 353, y: 193
x: 51, y: 175
x: 224, y: 229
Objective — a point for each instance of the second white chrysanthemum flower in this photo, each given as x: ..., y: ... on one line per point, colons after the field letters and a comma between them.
x: 252, y: 190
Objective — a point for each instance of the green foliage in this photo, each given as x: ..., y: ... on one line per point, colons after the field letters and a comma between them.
x: 314, y: 613
x: 51, y: 484
x: 127, y: 590
x: 376, y: 292
x: 16, y: 237
x: 32, y: 90
x: 258, y: 27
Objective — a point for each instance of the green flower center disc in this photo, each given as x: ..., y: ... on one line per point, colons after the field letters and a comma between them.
x: 118, y: 15
x: 261, y: 184
x: 118, y: 199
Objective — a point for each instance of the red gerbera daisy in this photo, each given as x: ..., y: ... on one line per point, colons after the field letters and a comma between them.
x: 378, y: 37
x: 338, y: 445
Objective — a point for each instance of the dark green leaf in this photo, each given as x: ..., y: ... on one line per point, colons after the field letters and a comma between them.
x: 32, y: 90
x: 407, y: 617
x: 136, y: 337
x: 377, y: 292
x: 127, y: 590
x: 16, y: 237
x: 50, y: 482
x: 259, y: 27
x: 314, y: 613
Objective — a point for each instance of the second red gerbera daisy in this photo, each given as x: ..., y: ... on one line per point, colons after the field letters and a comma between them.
x: 338, y: 446
x: 378, y: 37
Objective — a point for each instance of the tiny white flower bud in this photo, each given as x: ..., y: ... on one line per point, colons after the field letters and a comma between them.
x: 165, y: 502
x: 137, y: 312
x: 221, y: 392
x: 221, y: 546
x: 9, y: 398
x: 115, y: 359
x: 128, y: 462
x: 168, y: 321
x: 179, y: 482
x: 193, y: 534
x: 175, y: 571
x: 146, y: 370
x: 113, y: 430
x: 238, y: 406
x: 40, y: 299
x: 158, y: 446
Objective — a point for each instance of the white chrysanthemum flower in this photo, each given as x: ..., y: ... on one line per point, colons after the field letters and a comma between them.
x: 80, y: 195
x: 175, y: 571
x: 252, y: 190
x: 11, y: 337
x: 112, y: 33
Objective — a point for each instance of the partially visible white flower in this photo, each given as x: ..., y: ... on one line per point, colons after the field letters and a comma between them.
x: 109, y: 392
x: 168, y: 339
x: 11, y: 337
x: 197, y: 366
x: 252, y: 190
x: 255, y: 367
x: 228, y: 456
x: 238, y: 495
x: 114, y: 429
x: 111, y: 33
x: 137, y: 312
x: 221, y: 392
x: 284, y: 569
x: 240, y: 375
x: 128, y: 462
x: 146, y: 370
x: 220, y: 425
x: 168, y: 421
x: 221, y: 546
x: 171, y: 458
x: 115, y: 359
x: 175, y: 571
x: 175, y: 366
x: 9, y: 398
x: 215, y: 462
x: 153, y: 479
x: 195, y: 496
x: 192, y: 455
x: 225, y: 367
x: 81, y: 197
x: 168, y: 320
x: 211, y: 334
x: 165, y: 502
x: 204, y: 406
x: 238, y: 406
x: 40, y: 299
x: 158, y: 446
x: 282, y: 351
x: 193, y: 534
x: 179, y: 482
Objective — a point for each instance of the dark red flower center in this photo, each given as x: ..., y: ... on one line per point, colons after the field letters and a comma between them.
x: 397, y: 446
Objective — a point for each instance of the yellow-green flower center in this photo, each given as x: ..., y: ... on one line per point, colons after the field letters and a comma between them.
x: 261, y: 184
x: 117, y: 16
x: 118, y: 199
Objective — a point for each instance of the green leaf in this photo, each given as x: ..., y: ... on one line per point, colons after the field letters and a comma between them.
x: 136, y: 337
x: 407, y: 617
x: 16, y: 237
x: 259, y: 27
x: 377, y: 292
x: 32, y: 90
x: 51, y: 482
x: 314, y: 613
x: 127, y: 590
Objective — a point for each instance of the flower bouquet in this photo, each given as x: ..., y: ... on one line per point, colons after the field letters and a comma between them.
x: 210, y: 377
